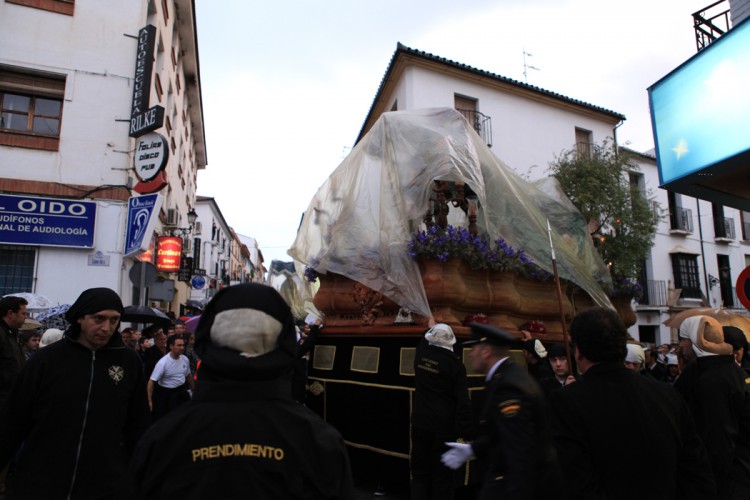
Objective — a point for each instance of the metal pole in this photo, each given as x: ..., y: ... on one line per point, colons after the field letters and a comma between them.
x: 560, y: 300
x: 143, y: 284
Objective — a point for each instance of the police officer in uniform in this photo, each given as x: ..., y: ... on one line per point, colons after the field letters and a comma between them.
x: 514, y: 436
x: 441, y: 412
x: 242, y: 435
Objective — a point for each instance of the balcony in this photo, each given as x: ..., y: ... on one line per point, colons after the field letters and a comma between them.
x: 481, y: 123
x: 724, y: 229
x: 710, y: 23
x: 654, y: 294
x: 681, y: 221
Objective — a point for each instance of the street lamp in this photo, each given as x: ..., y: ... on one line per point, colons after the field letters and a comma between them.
x: 192, y: 216
x: 185, y: 231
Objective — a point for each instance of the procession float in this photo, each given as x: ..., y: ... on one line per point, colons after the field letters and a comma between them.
x: 422, y: 223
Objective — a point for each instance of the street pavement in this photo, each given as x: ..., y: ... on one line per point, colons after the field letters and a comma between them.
x: 367, y: 492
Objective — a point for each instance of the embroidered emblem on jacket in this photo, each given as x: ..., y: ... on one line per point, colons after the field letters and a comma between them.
x: 116, y: 373
x: 510, y: 407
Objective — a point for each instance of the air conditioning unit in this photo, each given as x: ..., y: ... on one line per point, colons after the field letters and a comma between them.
x: 198, y: 228
x: 172, y: 216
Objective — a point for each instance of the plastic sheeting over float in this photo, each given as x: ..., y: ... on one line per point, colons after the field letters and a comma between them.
x: 361, y: 220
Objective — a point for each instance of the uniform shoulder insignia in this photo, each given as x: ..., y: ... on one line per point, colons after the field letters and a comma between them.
x: 510, y: 407
x: 747, y: 380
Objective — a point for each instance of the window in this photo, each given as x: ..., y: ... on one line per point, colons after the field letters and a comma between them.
x: 723, y: 226
x: 680, y: 219
x: 584, y: 140
x: 686, y: 277
x: 745, y: 218
x: 647, y: 333
x: 159, y: 91
x: 16, y: 269
x: 30, y: 109
x: 59, y: 6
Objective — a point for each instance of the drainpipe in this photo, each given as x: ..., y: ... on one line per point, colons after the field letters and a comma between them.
x: 703, y: 253
x: 614, y: 137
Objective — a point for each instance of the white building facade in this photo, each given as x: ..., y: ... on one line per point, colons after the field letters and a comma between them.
x: 67, y: 80
x: 528, y: 127
x: 699, y: 250
x: 212, y: 245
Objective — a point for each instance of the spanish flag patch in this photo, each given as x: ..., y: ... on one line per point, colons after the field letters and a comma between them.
x: 510, y: 407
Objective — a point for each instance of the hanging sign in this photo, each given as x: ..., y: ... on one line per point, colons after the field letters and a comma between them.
x: 169, y: 254
x: 151, y: 155
x: 143, y: 211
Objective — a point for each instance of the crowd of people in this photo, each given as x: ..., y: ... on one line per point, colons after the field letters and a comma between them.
x: 585, y: 421
x: 105, y: 415
x: 111, y: 413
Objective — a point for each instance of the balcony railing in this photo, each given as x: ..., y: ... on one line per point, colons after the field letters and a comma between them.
x: 682, y: 220
x: 654, y: 293
x: 724, y: 228
x: 710, y: 23
x: 481, y: 123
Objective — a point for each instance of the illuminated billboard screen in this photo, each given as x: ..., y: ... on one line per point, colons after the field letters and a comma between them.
x: 700, y: 114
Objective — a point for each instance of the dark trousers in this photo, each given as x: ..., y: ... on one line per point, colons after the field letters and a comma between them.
x: 431, y: 480
x: 166, y: 400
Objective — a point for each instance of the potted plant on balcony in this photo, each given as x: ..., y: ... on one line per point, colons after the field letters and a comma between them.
x: 620, y: 213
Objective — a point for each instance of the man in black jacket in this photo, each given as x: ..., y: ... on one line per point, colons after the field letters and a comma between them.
x: 514, y: 434
x: 601, y: 422
x: 242, y: 435
x: 78, y: 406
x: 441, y: 412
x: 717, y: 394
x: 12, y: 317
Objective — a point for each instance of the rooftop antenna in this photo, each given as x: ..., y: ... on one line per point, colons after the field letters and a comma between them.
x: 526, y: 66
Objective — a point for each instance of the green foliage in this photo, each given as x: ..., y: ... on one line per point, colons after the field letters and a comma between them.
x: 621, y: 218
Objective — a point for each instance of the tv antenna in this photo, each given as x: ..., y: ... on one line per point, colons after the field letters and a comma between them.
x: 526, y: 66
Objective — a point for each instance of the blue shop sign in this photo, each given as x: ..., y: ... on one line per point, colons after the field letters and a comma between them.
x: 28, y: 220
x: 198, y: 282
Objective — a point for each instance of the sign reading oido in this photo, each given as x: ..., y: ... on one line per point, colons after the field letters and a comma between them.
x: 142, y: 118
x: 28, y: 220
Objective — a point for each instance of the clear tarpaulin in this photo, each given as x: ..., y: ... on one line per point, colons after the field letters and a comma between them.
x: 361, y: 220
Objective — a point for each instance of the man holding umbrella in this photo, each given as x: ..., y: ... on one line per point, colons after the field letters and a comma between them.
x: 78, y: 406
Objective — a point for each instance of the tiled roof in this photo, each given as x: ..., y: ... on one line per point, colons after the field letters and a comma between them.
x: 401, y: 48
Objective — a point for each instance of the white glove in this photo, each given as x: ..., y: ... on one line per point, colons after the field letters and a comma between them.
x: 457, y: 455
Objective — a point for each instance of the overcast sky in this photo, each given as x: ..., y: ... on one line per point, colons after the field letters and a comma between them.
x: 287, y: 84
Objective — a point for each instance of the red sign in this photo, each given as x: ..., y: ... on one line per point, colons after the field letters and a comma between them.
x: 743, y: 287
x: 152, y: 186
x: 169, y: 254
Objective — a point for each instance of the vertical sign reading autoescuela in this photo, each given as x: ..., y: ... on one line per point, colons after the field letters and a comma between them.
x: 142, y: 118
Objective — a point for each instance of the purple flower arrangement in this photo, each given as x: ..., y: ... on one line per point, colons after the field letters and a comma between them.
x: 479, y: 251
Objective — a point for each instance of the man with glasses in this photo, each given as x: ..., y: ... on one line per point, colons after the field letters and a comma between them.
x: 78, y: 406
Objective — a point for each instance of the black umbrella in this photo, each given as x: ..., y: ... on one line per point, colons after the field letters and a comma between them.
x: 145, y: 315
x: 195, y: 304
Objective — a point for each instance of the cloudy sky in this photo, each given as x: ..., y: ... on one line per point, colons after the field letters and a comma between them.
x: 287, y: 83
